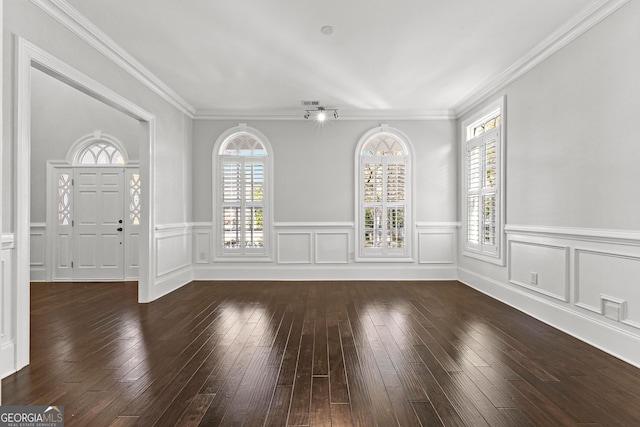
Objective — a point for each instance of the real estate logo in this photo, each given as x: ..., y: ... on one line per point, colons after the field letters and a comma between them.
x: 31, y: 416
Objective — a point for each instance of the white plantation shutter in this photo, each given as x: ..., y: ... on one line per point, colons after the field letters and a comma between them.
x: 482, y: 192
x: 243, y: 183
x: 383, y: 204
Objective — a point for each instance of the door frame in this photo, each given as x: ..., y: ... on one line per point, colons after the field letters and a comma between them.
x: 29, y: 55
x: 51, y: 235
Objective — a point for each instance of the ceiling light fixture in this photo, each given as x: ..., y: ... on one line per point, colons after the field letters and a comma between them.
x: 320, y: 113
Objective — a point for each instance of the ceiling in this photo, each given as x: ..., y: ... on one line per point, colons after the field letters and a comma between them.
x: 401, y: 57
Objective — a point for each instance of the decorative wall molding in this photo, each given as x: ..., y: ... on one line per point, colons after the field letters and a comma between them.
x: 294, y: 247
x: 310, y: 272
x: 173, y: 249
x: 7, y: 241
x: 626, y: 237
x: 593, y: 330
x: 75, y: 22
x: 179, y: 226
x: 587, y: 18
x: 38, y: 246
x: 309, y: 225
x: 550, y: 263
x: 608, y: 275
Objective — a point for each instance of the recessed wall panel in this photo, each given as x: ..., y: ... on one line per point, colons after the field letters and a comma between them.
x: 540, y: 267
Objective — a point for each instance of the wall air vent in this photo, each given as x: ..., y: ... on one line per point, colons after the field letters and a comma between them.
x: 310, y: 103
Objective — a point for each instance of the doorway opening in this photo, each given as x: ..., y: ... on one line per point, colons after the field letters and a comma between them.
x: 30, y: 56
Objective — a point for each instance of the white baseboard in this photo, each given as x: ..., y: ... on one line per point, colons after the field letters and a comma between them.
x: 7, y: 358
x: 171, y: 282
x: 615, y: 341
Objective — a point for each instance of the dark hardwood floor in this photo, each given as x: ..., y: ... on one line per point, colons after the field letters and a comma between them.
x: 311, y: 354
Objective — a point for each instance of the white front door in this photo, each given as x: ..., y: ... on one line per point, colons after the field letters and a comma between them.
x: 98, y: 229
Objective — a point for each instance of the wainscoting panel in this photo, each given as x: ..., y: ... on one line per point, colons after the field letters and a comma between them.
x: 202, y: 246
x: 332, y: 248
x: 542, y: 268
x: 7, y: 339
x: 38, y: 244
x: 325, y: 251
x: 601, y: 268
x: 609, y: 284
x: 294, y: 248
x: 173, y: 249
x: 436, y: 247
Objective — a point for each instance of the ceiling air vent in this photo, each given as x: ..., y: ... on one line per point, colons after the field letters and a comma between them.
x: 310, y: 103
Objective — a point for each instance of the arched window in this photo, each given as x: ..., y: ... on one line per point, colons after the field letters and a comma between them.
x: 100, y: 153
x: 97, y: 149
x: 383, y: 162
x: 242, y: 193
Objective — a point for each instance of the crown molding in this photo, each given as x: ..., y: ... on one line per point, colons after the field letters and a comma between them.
x: 584, y: 20
x: 78, y: 24
x: 203, y: 114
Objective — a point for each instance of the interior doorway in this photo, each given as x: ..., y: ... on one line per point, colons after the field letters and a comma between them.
x: 31, y: 57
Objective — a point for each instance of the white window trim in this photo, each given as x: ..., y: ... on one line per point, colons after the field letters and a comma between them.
x: 498, y: 257
x: 407, y: 255
x: 219, y: 254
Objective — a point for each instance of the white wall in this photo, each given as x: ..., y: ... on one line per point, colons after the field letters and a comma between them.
x: 169, y: 127
x: 572, y: 200
x: 314, y: 200
x: 321, y: 157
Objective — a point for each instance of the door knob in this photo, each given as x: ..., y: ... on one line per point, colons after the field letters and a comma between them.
x: 119, y: 228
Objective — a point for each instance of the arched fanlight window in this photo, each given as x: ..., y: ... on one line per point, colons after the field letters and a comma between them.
x: 384, y: 194
x: 97, y: 149
x: 101, y: 153
x: 242, y: 193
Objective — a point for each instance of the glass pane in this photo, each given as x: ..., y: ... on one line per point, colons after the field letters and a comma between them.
x: 231, y: 227
x: 254, y: 182
x: 489, y: 219
x: 101, y: 153
x: 490, y: 164
x: 372, y: 182
x: 244, y: 144
x: 373, y: 227
x: 383, y: 145
x: 486, y: 125
x: 134, y: 194
x: 395, y: 228
x: 64, y: 199
x: 254, y: 232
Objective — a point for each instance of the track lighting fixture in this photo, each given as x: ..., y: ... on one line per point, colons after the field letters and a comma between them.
x: 320, y: 113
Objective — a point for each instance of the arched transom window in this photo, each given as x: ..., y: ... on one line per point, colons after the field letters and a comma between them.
x: 383, y: 194
x: 243, y: 194
x: 100, y: 153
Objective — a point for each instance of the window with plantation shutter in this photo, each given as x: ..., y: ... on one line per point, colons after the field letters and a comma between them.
x: 482, y: 185
x: 383, y: 189
x: 242, y: 199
